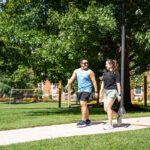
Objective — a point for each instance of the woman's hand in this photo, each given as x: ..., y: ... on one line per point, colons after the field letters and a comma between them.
x: 96, y: 95
x: 119, y: 97
x: 100, y: 97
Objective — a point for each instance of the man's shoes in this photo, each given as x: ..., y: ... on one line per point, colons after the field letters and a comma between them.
x: 88, y: 122
x: 119, y: 120
x: 81, y: 124
x: 108, y: 126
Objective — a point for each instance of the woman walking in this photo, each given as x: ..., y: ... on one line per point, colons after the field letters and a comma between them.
x: 110, y: 90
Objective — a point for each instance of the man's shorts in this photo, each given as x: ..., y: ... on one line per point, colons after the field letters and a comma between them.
x: 83, y: 96
x: 110, y: 94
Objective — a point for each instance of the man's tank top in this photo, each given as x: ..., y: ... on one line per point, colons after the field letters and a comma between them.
x: 84, y: 81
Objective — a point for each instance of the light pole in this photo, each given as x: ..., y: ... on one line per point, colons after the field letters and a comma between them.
x: 123, y: 40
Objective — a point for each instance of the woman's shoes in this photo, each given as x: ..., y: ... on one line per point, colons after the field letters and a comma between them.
x: 108, y: 126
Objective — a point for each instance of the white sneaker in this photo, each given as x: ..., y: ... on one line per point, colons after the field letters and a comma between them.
x: 108, y: 126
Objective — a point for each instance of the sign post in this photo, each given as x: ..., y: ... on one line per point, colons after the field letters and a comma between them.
x: 59, y: 88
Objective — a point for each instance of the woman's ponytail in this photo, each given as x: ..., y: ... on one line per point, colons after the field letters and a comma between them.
x: 115, y: 66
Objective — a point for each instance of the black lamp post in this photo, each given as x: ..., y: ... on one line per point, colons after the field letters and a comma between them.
x: 122, y: 109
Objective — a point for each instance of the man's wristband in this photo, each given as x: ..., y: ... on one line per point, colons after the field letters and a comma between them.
x: 96, y: 92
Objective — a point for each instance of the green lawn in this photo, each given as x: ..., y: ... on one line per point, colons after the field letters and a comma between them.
x: 13, y: 116
x: 129, y: 140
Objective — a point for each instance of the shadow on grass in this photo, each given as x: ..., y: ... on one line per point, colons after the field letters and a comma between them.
x: 133, y: 108
x: 64, y: 111
x: 76, y: 111
x: 26, y: 108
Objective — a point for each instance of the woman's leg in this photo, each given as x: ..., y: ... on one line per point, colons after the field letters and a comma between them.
x: 108, y: 108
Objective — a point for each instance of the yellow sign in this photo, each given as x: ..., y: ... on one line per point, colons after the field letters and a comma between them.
x: 59, y: 84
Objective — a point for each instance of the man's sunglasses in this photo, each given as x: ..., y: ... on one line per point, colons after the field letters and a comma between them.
x: 85, y: 63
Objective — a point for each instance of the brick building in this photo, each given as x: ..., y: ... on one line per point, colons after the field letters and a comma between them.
x: 138, y: 92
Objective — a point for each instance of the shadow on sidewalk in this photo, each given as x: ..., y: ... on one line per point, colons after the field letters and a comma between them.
x: 125, y: 125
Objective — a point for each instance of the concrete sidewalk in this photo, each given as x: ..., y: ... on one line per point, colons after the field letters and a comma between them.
x: 66, y: 130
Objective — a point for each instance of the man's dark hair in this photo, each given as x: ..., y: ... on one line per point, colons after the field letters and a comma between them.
x: 81, y: 60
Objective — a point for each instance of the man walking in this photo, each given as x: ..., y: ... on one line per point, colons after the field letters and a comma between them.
x: 85, y: 78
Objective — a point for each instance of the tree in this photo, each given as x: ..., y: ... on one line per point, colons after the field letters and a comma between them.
x: 50, y: 37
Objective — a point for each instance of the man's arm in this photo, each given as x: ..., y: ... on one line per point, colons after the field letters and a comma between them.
x: 73, y: 77
x: 92, y: 77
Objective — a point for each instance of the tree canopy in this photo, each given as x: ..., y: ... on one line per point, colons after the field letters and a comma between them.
x: 45, y: 39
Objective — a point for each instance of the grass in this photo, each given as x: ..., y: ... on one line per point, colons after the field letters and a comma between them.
x: 129, y: 140
x: 14, y: 116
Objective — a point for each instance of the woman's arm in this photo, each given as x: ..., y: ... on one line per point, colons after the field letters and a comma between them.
x: 119, y: 89
x: 101, y: 92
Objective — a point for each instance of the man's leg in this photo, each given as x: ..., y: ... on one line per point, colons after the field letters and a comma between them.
x: 87, y: 114
x: 84, y: 110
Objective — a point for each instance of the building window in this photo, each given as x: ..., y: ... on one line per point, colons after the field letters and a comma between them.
x: 138, y: 91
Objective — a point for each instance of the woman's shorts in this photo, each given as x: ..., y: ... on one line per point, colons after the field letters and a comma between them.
x: 110, y: 94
